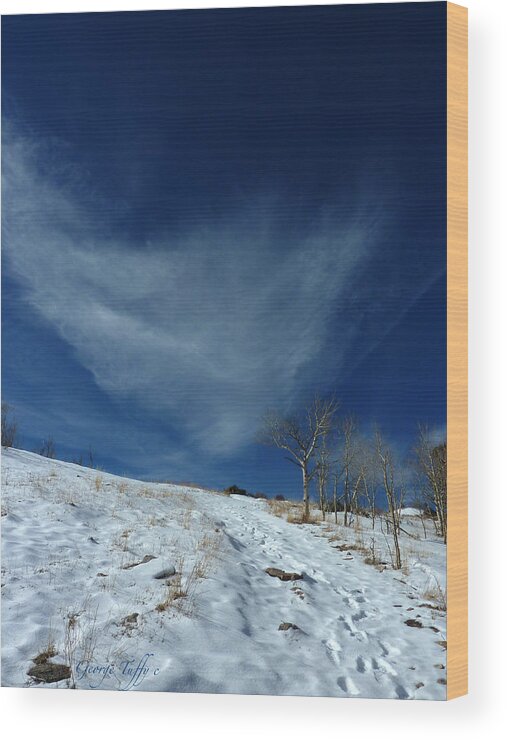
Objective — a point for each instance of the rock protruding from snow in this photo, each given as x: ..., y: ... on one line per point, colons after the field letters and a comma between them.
x: 49, y: 672
x: 146, y: 559
x: 165, y: 572
x: 282, y: 575
x: 287, y: 626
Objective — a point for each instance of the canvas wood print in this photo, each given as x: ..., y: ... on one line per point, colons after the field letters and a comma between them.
x: 234, y: 333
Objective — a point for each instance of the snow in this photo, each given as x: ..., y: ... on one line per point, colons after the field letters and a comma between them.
x: 410, y: 511
x: 73, y: 577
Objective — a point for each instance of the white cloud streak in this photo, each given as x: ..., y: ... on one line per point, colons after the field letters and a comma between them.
x: 207, y: 328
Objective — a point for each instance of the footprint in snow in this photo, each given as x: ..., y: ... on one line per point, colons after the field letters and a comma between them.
x: 386, y: 667
x: 360, y: 664
x: 333, y: 650
x: 401, y: 692
x: 347, y: 685
x: 359, y: 635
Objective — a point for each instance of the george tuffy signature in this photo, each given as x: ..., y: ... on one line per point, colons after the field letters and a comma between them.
x: 128, y: 673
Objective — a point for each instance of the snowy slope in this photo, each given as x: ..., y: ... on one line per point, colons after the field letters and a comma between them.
x: 71, y: 538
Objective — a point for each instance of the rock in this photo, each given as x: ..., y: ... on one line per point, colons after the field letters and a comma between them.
x: 413, y: 623
x: 419, y: 685
x: 102, y: 575
x: 442, y: 681
x: 131, y: 618
x: 288, y: 626
x: 49, y: 672
x: 146, y: 559
x: 165, y: 572
x: 129, y: 623
x: 282, y: 575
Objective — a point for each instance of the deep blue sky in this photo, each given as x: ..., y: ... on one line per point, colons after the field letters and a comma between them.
x: 208, y: 213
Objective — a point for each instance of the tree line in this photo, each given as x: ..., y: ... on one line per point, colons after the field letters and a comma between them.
x: 47, y: 447
x: 351, y: 471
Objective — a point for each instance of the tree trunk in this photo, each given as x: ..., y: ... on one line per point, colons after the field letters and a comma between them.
x: 397, y: 548
x: 306, y: 499
x: 346, y: 498
x: 322, y: 499
x: 395, y: 525
x: 335, y: 496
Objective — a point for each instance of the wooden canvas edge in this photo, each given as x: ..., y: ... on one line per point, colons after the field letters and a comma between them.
x: 457, y: 350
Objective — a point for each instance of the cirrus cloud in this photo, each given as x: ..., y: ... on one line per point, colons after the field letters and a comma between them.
x: 205, y: 327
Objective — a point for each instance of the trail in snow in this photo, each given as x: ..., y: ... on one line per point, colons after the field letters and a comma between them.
x: 69, y: 532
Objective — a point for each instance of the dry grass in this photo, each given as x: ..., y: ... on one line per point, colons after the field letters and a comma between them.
x: 436, y: 594
x: 181, y: 588
x: 372, y: 556
x: 177, y: 589
x: 121, y: 541
x: 49, y: 649
x: 147, y: 492
x: 414, y: 552
x: 185, y: 518
x: 279, y: 508
x: 346, y: 547
x: 80, y: 634
x: 45, y: 655
x: 292, y: 512
x: 156, y: 521
x: 297, y: 515
x: 98, y: 482
x: 207, y: 550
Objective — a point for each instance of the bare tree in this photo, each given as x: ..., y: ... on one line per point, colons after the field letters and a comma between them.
x: 48, y: 448
x: 393, y: 491
x: 300, y: 437
x: 370, y: 480
x: 351, y: 468
x: 336, y: 479
x: 9, y: 426
x: 357, y: 481
x: 421, y: 507
x: 323, y: 470
x: 431, y: 461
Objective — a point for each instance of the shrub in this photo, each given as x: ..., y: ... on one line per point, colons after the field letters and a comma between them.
x: 235, y: 490
x: 48, y: 448
x: 9, y: 427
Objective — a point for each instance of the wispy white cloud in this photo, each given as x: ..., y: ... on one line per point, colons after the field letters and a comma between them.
x: 206, y: 328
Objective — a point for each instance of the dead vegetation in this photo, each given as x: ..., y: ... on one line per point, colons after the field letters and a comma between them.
x: 181, y: 588
x: 45, y: 655
x: 437, y: 595
x: 292, y: 512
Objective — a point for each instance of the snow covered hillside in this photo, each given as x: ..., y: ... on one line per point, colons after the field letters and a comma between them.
x: 124, y: 585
